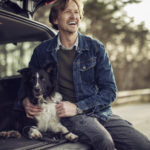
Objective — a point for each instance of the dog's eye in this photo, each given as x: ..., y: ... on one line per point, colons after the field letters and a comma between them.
x: 42, y: 79
x: 33, y: 80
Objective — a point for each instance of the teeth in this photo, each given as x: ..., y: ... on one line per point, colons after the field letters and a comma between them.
x: 72, y: 23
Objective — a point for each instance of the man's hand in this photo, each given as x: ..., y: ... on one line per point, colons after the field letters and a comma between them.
x: 30, y: 109
x: 66, y: 109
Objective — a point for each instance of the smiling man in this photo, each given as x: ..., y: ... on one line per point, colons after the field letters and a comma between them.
x: 67, y: 22
x: 86, y: 82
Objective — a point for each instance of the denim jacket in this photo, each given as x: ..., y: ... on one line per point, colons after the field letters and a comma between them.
x: 93, y: 77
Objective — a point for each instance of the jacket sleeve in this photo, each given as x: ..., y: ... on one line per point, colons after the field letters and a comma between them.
x: 105, y: 83
x: 34, y: 61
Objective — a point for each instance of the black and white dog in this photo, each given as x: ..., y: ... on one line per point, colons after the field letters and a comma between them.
x: 40, y: 88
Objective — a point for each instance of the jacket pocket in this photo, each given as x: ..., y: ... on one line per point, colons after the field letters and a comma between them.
x: 87, y: 70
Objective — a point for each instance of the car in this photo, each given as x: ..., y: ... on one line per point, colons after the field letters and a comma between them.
x: 19, y: 35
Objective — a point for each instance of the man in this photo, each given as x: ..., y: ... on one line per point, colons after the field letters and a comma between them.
x: 86, y: 81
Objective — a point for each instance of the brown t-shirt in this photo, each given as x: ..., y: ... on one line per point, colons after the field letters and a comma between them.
x: 65, y: 74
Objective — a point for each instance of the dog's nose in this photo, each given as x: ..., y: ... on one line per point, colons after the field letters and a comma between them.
x: 36, y: 89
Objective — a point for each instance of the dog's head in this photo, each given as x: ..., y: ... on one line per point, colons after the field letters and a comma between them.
x: 39, y: 83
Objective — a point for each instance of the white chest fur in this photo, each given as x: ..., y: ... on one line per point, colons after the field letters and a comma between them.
x: 48, y: 119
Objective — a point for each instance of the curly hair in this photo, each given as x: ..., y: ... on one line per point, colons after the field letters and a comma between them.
x: 61, y: 5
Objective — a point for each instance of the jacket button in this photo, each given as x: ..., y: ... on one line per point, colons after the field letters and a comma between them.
x: 84, y: 67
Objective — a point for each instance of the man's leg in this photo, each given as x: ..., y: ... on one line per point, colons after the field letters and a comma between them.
x: 90, y: 131
x: 125, y: 136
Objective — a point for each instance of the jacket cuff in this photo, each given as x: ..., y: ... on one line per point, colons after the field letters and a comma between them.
x: 82, y: 105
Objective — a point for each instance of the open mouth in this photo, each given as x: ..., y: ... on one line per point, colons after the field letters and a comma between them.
x: 72, y: 23
x: 37, y: 94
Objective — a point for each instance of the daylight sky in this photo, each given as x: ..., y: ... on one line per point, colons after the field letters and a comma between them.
x: 140, y: 12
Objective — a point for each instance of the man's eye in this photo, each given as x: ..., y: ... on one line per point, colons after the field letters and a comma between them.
x: 76, y: 12
x: 68, y: 11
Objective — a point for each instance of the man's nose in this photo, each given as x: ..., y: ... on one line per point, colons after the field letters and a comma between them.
x: 73, y: 15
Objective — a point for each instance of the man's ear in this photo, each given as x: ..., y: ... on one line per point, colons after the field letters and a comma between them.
x: 25, y: 72
x: 55, y: 21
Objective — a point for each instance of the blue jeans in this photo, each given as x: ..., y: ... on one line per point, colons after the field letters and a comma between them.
x: 114, y: 133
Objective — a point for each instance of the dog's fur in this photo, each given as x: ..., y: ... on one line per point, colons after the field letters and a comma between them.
x: 40, y: 88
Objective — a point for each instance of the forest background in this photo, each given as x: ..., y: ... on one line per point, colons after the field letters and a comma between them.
x: 127, y: 44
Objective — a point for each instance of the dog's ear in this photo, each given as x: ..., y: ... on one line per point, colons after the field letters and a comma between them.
x: 50, y: 67
x: 25, y: 72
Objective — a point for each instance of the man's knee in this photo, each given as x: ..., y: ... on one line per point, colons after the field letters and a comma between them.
x: 95, y: 133
x: 103, y: 142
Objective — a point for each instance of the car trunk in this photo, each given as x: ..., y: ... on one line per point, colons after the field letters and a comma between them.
x: 15, y: 27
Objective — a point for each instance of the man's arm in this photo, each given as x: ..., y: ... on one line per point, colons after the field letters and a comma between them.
x: 105, y: 82
x: 66, y: 109
x: 30, y: 109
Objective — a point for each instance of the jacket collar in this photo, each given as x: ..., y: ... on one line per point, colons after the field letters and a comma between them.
x: 59, y: 44
x: 82, y: 45
x: 52, y: 44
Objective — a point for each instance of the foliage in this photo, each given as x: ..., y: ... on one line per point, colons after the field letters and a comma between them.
x: 127, y: 44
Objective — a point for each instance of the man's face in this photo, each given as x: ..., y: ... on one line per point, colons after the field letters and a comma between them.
x: 68, y: 19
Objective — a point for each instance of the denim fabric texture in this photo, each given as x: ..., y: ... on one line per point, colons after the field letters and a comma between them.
x: 93, y: 76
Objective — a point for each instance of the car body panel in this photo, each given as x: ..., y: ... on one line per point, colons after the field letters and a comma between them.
x: 25, y: 8
x: 15, y: 28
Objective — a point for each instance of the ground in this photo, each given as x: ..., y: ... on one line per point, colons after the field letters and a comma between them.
x: 137, y: 114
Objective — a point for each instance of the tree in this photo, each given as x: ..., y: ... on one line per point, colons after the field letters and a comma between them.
x: 127, y: 43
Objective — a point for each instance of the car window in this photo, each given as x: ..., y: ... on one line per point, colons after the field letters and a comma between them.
x: 14, y: 57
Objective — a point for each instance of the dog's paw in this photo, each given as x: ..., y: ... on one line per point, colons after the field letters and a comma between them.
x: 71, y: 137
x: 34, y: 133
x: 10, y: 134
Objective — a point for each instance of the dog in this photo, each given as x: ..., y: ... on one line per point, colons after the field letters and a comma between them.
x: 40, y: 87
